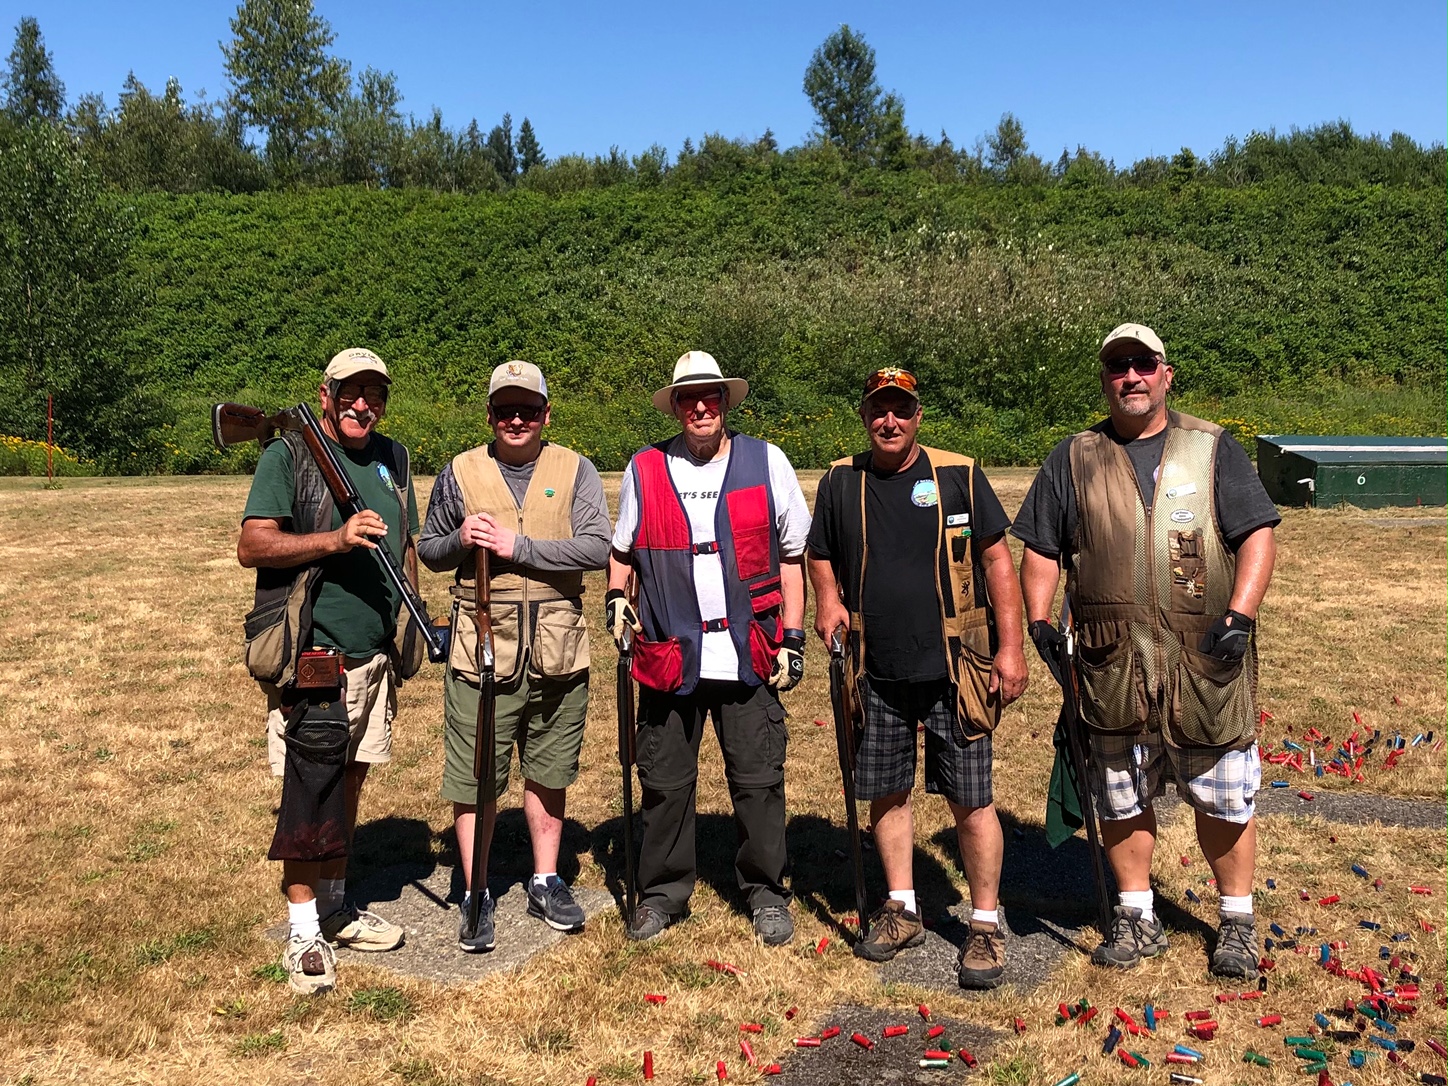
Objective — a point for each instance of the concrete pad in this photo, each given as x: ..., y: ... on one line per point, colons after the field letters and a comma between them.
x: 893, y: 1061
x: 425, y: 901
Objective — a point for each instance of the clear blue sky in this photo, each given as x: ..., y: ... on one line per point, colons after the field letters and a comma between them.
x: 1127, y: 80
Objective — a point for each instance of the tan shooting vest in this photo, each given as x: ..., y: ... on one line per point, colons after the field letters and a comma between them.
x: 537, y: 615
x: 1146, y: 584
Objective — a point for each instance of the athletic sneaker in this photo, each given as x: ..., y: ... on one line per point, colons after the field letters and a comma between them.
x: 982, y: 961
x: 649, y: 923
x: 475, y: 942
x: 892, y: 929
x: 311, y: 965
x: 1131, y: 939
x: 553, y: 904
x: 1235, y: 954
x: 773, y: 924
x: 357, y: 929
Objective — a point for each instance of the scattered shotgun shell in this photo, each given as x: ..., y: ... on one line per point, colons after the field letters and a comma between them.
x: 1063, y: 1013
x: 1183, y: 1050
x: 747, y: 1051
x: 648, y: 1065
x: 1149, y: 1013
x: 1186, y: 861
x: 1089, y: 1014
x: 1192, y: 896
x: 1360, y: 870
x: 1256, y: 1057
x: 820, y: 946
x: 806, y: 1042
x: 771, y: 1069
x: 592, y: 1081
x: 1270, y: 1020
x: 750, y: 1027
x: 970, y: 1061
x: 1113, y: 1038
x: 938, y: 1054
x: 923, y: 1011
x: 1291, y: 1041
x: 832, y: 1031
x: 1178, y: 1057
x: 1126, y: 1018
x: 936, y: 1063
x: 789, y: 1014
x: 1331, y: 899
x: 1020, y: 1025
x: 1306, y: 795
x: 1253, y: 994
x: 1197, y: 1016
x: 1383, y: 1042
x: 1369, y: 925
x: 656, y: 999
x: 1070, y: 1080
x: 720, y: 1071
x: 1226, y: 997
x: 725, y: 967
x: 863, y: 1041
x: 1127, y: 1058
x: 1183, y: 1080
x: 1140, y: 1058
x: 1419, y: 890
x: 934, y: 1032
x: 1203, y: 1031
x: 896, y: 1031
x: 1437, y: 1047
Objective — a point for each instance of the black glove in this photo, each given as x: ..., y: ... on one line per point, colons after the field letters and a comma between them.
x: 788, y: 662
x: 1228, y: 637
x: 1049, y: 642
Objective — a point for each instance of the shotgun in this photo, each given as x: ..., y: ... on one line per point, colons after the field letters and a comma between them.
x: 626, y: 755
x: 484, y: 756
x: 234, y: 424
x: 846, y: 718
x: 1078, y: 747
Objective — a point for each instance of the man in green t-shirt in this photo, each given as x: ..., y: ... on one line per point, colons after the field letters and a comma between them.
x: 355, y: 612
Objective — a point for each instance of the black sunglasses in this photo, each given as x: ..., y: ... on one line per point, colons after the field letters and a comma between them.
x: 508, y: 412
x: 1144, y: 364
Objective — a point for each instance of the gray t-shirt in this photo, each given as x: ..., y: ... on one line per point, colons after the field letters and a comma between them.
x: 440, y: 546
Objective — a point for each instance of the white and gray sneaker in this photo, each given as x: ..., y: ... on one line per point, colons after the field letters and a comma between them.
x: 311, y: 965
x: 357, y: 929
x: 553, y: 904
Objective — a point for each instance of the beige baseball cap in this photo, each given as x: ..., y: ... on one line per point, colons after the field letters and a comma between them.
x: 352, y: 361
x: 517, y: 374
x: 1124, y: 335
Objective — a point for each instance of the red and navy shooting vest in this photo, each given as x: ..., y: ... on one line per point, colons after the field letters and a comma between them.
x: 667, y: 654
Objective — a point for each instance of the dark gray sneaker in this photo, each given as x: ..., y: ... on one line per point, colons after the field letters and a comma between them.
x: 648, y: 923
x: 1131, y: 939
x: 553, y: 904
x: 1235, y: 954
x: 773, y: 924
x: 475, y: 942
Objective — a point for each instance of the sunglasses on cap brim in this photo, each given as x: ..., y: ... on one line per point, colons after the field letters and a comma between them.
x: 890, y: 377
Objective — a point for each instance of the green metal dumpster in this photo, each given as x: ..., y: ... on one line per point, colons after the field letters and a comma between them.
x: 1368, y: 472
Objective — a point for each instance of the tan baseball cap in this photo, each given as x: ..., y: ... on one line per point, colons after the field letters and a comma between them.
x: 1124, y: 335
x: 517, y: 374
x: 352, y: 361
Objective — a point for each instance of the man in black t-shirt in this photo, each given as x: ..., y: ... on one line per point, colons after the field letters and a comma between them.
x: 907, y: 551
x: 1165, y: 533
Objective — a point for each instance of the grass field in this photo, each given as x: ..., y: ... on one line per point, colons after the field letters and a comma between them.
x: 136, y: 809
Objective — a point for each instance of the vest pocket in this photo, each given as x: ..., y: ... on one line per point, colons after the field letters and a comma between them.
x: 659, y: 665
x: 507, y: 628
x: 267, y: 642
x: 763, y: 650
x: 1112, y: 688
x: 560, y: 640
x: 975, y: 705
x: 1212, y: 702
x: 749, y: 526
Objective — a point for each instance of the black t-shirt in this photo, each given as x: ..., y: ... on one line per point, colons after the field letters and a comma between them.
x: 900, y: 608
x: 1047, y: 518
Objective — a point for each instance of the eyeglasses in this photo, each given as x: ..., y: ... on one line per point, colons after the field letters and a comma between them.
x: 891, y: 377
x: 509, y: 411
x: 371, y: 393
x: 1144, y: 364
x: 712, y: 400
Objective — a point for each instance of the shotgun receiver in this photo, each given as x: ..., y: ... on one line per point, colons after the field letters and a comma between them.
x: 234, y: 424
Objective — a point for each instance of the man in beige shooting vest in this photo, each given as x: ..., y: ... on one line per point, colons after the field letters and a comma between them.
x: 1165, y: 533
x: 539, y: 508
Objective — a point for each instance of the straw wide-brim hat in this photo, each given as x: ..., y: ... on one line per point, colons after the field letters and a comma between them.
x: 699, y: 368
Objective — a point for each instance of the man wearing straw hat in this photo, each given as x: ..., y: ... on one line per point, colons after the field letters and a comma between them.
x: 712, y: 524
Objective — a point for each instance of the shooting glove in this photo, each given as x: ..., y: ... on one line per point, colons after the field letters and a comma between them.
x: 1228, y: 637
x: 1049, y: 642
x: 788, y: 662
x: 619, y: 615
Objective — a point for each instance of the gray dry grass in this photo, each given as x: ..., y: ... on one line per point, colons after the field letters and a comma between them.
x: 135, y: 811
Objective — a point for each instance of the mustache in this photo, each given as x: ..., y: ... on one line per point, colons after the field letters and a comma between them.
x: 359, y: 416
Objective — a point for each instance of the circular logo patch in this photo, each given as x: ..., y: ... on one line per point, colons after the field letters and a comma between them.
x: 924, y: 493
x: 1182, y: 516
x: 385, y: 476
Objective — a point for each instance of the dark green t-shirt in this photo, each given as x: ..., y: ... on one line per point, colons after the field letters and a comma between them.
x: 356, y: 605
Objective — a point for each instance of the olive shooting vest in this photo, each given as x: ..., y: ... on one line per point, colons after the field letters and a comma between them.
x: 537, y: 615
x: 1145, y: 585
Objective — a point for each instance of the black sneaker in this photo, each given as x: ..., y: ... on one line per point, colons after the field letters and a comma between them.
x: 649, y: 923
x: 773, y: 924
x: 1235, y: 954
x: 1130, y: 940
x: 475, y: 942
x: 553, y: 904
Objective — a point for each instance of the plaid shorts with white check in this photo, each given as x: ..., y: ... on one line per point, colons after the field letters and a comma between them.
x: 885, y: 763
x: 1131, y: 770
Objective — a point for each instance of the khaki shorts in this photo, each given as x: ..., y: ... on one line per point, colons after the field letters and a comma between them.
x: 371, y: 704
x: 542, y: 717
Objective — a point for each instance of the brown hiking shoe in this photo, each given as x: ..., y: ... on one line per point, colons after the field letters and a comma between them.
x: 892, y: 929
x: 983, y: 958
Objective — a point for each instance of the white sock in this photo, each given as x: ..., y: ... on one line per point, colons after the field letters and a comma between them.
x: 906, y: 898
x: 303, y: 919
x: 540, y: 878
x: 1242, y: 905
x: 1139, y: 899
x: 330, y: 893
x: 985, y: 916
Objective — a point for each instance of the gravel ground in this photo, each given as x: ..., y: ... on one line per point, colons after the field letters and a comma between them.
x: 1357, y: 808
x: 893, y: 1061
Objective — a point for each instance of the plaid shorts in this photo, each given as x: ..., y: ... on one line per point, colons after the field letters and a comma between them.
x: 1131, y: 770
x: 885, y: 761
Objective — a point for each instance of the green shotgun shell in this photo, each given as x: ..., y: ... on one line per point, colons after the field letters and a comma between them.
x: 1256, y: 1057
x: 1070, y: 1080
x: 1304, y: 1053
x: 1141, y: 1059
x: 1293, y: 1042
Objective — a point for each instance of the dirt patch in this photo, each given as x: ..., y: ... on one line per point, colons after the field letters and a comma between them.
x: 893, y: 1060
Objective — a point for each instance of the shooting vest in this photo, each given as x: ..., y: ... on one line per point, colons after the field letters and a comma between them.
x: 537, y: 615
x: 667, y: 655
x: 967, y: 621
x: 279, y: 627
x: 1145, y: 585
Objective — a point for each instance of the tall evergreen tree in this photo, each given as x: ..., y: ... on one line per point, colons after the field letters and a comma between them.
x: 500, y: 149
x: 840, y: 83
x: 283, y: 79
x: 530, y: 153
x: 1007, y: 144
x: 32, y: 89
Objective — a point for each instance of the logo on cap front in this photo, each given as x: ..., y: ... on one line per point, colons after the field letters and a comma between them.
x: 515, y: 369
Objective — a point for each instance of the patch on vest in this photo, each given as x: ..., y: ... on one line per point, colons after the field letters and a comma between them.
x: 1182, y: 516
x: 1183, y: 491
x: 956, y: 520
x: 386, y: 477
x: 924, y: 493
